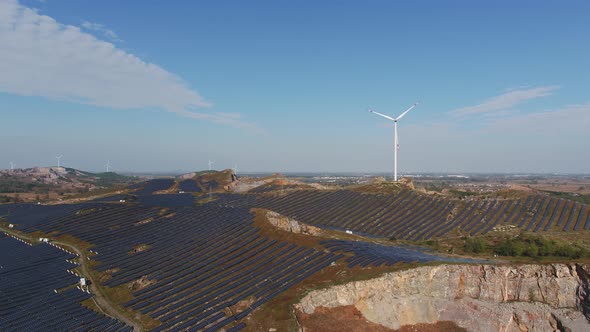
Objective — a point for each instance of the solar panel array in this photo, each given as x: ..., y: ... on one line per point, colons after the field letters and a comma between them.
x: 411, y: 216
x: 234, y: 200
x: 114, y: 198
x: 189, y: 186
x: 29, y: 214
x: 167, y: 200
x: 28, y: 277
x: 371, y: 254
x: 274, y: 187
x: 204, y: 260
x: 151, y: 186
x: 406, y: 215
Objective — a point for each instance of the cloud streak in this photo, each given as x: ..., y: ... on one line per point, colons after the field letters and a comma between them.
x: 565, y: 120
x: 102, y: 29
x: 505, y: 101
x: 42, y: 57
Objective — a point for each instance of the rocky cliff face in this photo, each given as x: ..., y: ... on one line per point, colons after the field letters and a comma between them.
x: 476, y: 297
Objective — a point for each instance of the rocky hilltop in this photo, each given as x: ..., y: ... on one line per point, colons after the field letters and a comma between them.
x: 475, y: 297
x: 225, y: 180
x: 31, y: 182
x: 46, y: 175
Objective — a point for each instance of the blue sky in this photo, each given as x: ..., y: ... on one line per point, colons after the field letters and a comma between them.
x: 285, y: 85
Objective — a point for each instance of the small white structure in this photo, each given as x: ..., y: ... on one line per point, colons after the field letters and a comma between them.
x: 348, y: 231
x: 181, y: 192
x: 44, y: 239
x: 83, y: 282
x: 10, y: 225
x: 121, y: 201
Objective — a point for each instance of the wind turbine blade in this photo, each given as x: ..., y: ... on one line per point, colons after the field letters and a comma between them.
x: 404, y: 113
x: 383, y: 115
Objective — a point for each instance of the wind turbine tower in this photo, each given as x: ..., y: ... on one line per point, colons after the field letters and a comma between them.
x: 211, y: 165
x: 108, y: 166
x: 58, y: 159
x: 396, y: 142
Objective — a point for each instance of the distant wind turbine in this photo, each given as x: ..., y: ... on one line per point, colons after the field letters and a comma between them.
x: 12, y: 166
x: 396, y: 143
x: 211, y: 165
x: 58, y: 159
x: 108, y: 166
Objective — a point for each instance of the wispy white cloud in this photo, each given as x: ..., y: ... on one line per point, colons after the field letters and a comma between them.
x: 558, y: 122
x: 101, y: 29
x: 505, y: 101
x: 41, y: 57
x: 545, y: 140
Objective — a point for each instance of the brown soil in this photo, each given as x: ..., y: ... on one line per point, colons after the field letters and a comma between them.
x: 350, y: 319
x: 339, y: 319
x: 444, y: 326
x: 145, y: 221
x: 139, y: 248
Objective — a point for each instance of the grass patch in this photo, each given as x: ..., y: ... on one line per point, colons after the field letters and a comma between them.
x: 585, y: 199
x: 461, y: 193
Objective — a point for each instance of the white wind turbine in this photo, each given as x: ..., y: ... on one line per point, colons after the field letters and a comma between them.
x: 58, y: 159
x: 396, y: 143
x: 108, y: 166
x: 211, y: 164
x: 12, y: 166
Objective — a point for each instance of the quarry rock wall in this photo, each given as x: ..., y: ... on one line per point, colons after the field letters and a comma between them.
x: 476, y: 297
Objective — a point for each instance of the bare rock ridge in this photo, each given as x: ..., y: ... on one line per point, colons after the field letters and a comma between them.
x: 291, y: 225
x: 475, y: 297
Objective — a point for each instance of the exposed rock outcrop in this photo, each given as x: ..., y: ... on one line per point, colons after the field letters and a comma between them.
x: 140, y: 283
x: 475, y: 297
x: 291, y: 225
x: 408, y: 183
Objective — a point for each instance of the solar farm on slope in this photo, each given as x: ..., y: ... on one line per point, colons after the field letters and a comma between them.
x: 199, y: 261
x: 38, y: 293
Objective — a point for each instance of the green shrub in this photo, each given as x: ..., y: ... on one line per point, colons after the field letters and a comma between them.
x: 531, y: 250
x: 476, y: 245
x: 537, y: 246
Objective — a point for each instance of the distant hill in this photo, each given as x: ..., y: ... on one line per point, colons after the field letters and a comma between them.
x: 28, y: 183
x: 212, y: 180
